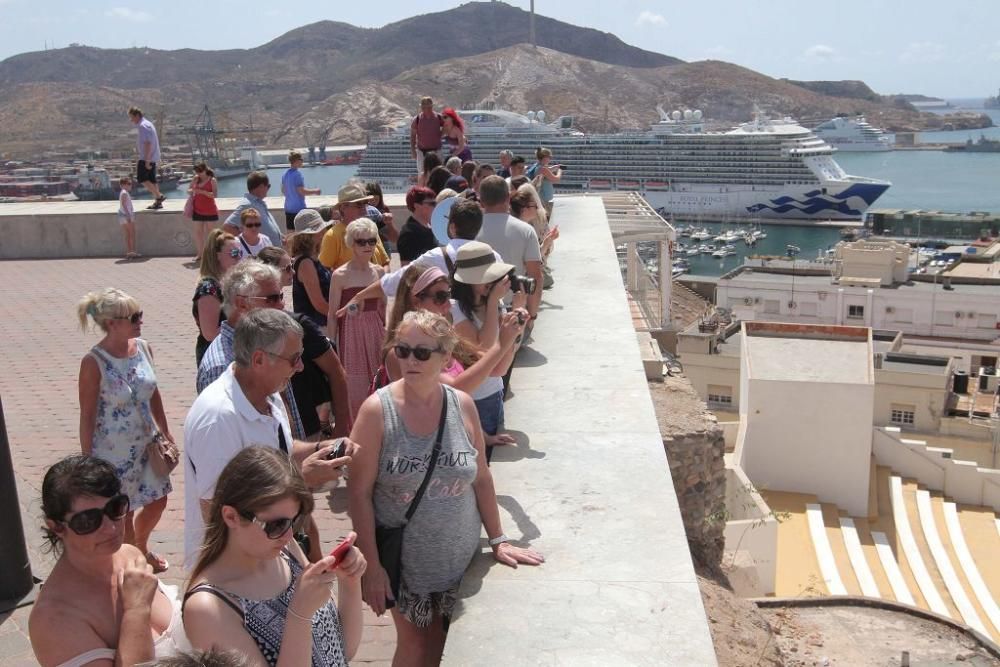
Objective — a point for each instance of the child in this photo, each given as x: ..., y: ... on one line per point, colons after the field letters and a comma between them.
x: 126, y: 217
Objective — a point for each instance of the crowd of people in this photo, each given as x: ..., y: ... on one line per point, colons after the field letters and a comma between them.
x: 397, y: 376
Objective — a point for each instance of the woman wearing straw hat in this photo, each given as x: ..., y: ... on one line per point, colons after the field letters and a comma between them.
x: 311, y: 282
x: 478, y: 284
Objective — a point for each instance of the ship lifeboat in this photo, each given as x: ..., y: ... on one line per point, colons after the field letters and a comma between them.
x: 657, y: 185
x: 628, y: 185
x: 599, y: 184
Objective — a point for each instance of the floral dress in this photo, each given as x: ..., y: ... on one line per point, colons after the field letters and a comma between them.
x: 125, y: 423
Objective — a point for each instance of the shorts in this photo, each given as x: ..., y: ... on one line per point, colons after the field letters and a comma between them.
x: 201, y: 217
x: 145, y: 172
x: 290, y: 220
x: 490, y: 411
x: 123, y: 220
x: 419, y: 608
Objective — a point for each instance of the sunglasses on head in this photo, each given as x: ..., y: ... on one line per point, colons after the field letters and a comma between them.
x: 439, y: 297
x: 274, y: 528
x: 134, y: 318
x: 421, y: 353
x: 88, y: 521
x: 251, y: 224
x: 277, y: 297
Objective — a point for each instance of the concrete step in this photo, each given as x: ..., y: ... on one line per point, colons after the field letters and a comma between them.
x: 797, y: 569
x: 831, y: 520
x: 863, y: 530
x: 910, y: 499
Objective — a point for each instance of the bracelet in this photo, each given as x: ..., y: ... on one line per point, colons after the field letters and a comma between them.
x: 299, y: 616
x: 498, y: 540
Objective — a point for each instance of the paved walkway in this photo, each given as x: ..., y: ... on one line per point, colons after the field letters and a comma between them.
x: 41, y: 346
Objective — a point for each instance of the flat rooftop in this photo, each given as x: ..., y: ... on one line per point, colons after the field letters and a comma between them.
x: 818, y: 283
x: 794, y: 359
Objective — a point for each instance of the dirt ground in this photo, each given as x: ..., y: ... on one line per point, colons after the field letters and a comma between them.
x: 740, y: 632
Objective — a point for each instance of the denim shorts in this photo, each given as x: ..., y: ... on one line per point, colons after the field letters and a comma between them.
x: 490, y: 411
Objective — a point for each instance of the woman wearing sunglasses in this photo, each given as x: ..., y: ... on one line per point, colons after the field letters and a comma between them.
x: 121, y: 410
x: 397, y: 431
x: 251, y: 240
x: 221, y: 253
x: 423, y: 288
x: 101, y: 604
x: 252, y: 589
x: 359, y: 333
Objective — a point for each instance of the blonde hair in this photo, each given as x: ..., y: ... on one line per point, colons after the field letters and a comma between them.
x: 105, y: 305
x: 358, y: 227
x: 210, y: 267
x: 541, y: 221
x: 431, y: 324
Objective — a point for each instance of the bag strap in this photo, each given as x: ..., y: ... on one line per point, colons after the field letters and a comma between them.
x: 448, y: 261
x: 434, y: 457
x: 246, y: 247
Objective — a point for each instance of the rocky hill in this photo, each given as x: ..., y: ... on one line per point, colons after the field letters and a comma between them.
x: 353, y: 81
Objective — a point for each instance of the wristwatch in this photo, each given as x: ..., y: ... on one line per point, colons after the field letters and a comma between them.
x: 500, y: 539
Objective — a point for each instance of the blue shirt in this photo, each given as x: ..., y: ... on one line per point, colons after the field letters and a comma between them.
x: 269, y: 227
x: 217, y: 359
x: 290, y: 184
x: 147, y: 135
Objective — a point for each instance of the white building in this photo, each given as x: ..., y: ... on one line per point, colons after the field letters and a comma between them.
x: 866, y: 285
x: 807, y: 395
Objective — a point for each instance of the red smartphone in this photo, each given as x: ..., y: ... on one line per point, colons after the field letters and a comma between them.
x: 340, y: 551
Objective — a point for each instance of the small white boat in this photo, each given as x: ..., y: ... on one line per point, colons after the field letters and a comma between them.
x: 701, y: 235
x: 692, y: 251
x: 724, y: 251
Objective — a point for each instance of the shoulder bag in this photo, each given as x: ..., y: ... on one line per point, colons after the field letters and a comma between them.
x: 389, y: 540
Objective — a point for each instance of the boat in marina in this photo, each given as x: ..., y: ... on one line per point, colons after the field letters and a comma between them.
x: 728, y: 236
x: 701, y: 235
x: 763, y: 169
x: 725, y: 251
x: 853, y: 134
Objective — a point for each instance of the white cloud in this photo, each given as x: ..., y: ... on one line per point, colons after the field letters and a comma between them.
x: 128, y: 14
x: 821, y: 53
x: 650, y: 18
x: 917, y: 53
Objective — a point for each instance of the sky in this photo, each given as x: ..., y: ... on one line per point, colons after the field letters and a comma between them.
x: 941, y: 49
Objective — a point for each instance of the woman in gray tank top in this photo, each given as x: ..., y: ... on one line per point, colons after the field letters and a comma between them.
x: 396, y: 430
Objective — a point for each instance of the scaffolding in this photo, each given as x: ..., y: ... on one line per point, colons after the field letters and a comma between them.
x: 646, y: 243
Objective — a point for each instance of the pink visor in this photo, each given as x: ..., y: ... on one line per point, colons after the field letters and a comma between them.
x: 427, y: 278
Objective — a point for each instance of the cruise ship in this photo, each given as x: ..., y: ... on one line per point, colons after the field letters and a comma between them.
x: 762, y: 169
x: 853, y: 134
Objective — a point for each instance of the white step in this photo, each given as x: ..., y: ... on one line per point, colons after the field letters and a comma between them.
x: 969, y: 567
x: 824, y: 553
x: 858, y: 561
x: 892, y: 571
x: 909, y: 544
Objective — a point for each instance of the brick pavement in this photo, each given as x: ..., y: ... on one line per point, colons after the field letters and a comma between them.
x: 41, y: 345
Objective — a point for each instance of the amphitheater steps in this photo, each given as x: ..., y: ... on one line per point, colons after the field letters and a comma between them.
x: 885, y: 525
x: 798, y: 571
x: 881, y: 581
x: 835, y: 536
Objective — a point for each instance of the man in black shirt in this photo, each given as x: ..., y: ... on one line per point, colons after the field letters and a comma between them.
x: 416, y: 237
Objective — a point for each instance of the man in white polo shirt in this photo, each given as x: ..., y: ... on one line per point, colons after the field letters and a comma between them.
x: 242, y: 408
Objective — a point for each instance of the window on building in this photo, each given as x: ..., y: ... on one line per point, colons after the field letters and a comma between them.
x: 903, y: 415
x: 720, y: 396
x: 772, y: 306
x: 856, y: 312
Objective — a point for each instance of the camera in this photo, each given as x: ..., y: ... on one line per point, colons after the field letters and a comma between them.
x: 521, y: 283
x: 340, y: 451
x: 520, y: 318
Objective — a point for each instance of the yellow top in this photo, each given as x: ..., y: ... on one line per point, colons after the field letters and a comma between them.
x: 333, y: 250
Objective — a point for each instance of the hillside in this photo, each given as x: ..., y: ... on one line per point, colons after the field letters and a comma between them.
x: 600, y: 96
x: 353, y: 81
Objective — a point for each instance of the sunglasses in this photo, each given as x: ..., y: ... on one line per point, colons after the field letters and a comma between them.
x: 251, y: 224
x: 134, y: 318
x: 293, y: 360
x: 235, y: 253
x: 277, y: 297
x: 274, y: 528
x: 440, y: 297
x: 421, y: 353
x: 370, y: 242
x: 427, y: 202
x: 287, y: 268
x: 88, y: 521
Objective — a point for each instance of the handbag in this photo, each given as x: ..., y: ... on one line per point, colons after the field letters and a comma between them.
x: 189, y: 207
x: 389, y: 539
x: 163, y: 455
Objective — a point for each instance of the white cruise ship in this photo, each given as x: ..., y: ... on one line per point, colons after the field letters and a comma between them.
x: 763, y: 169
x: 853, y: 134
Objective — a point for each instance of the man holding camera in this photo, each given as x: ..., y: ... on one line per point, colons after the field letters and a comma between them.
x: 514, y: 239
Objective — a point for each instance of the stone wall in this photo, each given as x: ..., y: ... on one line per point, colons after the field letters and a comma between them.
x: 695, y: 447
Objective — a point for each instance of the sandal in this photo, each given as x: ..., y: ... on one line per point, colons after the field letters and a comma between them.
x: 158, y: 562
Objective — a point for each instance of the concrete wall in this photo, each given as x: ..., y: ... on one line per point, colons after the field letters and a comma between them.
x: 751, y: 529
x: 936, y: 468
x: 51, y: 230
x: 926, y: 393
x: 810, y: 438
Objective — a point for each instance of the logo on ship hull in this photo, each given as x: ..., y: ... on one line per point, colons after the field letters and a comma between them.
x: 851, y: 202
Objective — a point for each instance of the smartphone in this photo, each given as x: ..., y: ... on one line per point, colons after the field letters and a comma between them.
x: 339, y: 451
x: 340, y: 551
